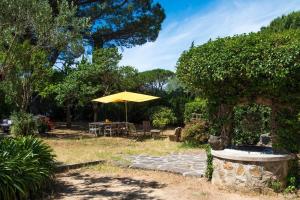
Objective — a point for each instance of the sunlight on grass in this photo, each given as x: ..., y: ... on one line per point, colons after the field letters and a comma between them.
x: 111, y: 148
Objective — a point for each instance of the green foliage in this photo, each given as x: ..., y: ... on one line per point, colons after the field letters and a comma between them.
x: 242, y: 68
x: 195, y: 132
x: 209, y: 163
x: 291, y: 185
x: 24, y: 124
x: 276, y: 185
x: 234, y: 67
x: 197, y: 106
x: 155, y: 80
x: 42, y: 126
x: 285, y: 22
x: 162, y: 116
x: 121, y: 23
x: 28, y: 76
x: 26, y: 165
x: 250, y: 122
x: 28, y: 36
x: 289, y: 131
x: 34, y: 21
x: 89, y: 80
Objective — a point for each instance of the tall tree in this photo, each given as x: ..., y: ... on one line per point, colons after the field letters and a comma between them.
x: 118, y: 23
x: 88, y: 81
x: 32, y: 20
x: 155, y: 80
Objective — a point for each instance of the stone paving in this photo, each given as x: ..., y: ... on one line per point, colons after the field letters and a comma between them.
x: 185, y: 164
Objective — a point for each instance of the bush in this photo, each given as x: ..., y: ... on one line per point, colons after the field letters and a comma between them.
x: 197, y: 106
x: 42, y: 125
x: 250, y: 122
x: 26, y: 165
x: 162, y: 116
x: 209, y: 163
x: 195, y: 132
x: 24, y: 124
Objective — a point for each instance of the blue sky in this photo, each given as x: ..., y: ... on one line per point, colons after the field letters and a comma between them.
x: 200, y: 20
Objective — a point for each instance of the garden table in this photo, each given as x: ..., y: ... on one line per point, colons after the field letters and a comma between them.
x: 101, y: 128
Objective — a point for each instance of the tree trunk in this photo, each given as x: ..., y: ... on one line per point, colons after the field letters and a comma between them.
x: 274, y: 127
x: 225, y: 114
x: 68, y: 116
x: 95, y: 109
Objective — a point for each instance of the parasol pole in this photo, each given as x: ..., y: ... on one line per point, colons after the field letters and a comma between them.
x: 126, y: 117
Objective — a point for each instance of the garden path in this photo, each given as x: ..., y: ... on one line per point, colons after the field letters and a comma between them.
x: 187, y: 164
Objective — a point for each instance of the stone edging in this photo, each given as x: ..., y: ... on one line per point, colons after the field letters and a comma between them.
x: 66, y: 167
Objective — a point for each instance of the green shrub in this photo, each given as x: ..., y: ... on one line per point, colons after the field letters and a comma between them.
x: 26, y: 166
x: 195, y: 132
x: 162, y: 116
x: 42, y: 126
x: 250, y: 122
x: 24, y: 124
x: 197, y: 106
x: 209, y: 164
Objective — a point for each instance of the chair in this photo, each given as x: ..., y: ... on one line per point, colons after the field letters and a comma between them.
x: 177, y: 135
x: 93, y: 129
x: 111, y: 129
x: 131, y: 128
x: 146, y: 127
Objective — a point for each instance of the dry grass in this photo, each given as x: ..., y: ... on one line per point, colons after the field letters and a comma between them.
x: 111, y: 182
x: 109, y: 148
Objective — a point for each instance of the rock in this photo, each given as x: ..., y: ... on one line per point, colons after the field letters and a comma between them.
x: 264, y: 139
x: 227, y: 165
x: 216, y: 142
x: 240, y: 170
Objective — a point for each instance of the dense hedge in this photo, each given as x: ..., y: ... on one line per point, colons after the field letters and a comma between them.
x: 26, y: 166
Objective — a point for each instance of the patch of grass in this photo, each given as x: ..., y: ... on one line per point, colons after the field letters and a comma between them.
x: 188, y: 145
x: 111, y: 148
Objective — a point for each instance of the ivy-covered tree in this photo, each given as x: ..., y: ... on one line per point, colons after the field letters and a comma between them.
x: 258, y: 67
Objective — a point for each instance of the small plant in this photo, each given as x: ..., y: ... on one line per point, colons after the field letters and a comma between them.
x: 276, y: 185
x: 163, y: 116
x: 292, y: 185
x: 24, y: 124
x: 209, y: 163
x: 195, y: 132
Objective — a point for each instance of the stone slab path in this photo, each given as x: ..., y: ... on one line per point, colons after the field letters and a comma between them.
x: 182, y: 163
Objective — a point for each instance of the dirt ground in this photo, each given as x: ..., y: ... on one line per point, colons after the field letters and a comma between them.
x: 108, y: 182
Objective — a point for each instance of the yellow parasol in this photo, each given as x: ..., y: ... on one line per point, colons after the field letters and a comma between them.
x: 125, y: 97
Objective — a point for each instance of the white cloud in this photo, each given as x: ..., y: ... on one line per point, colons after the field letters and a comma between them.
x: 226, y: 17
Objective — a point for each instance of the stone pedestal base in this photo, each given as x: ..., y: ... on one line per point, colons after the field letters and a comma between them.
x: 248, y: 174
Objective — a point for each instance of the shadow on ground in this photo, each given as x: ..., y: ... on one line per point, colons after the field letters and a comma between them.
x: 84, y: 186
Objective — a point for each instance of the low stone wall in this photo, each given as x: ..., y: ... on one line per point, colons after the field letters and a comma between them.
x: 248, y: 175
